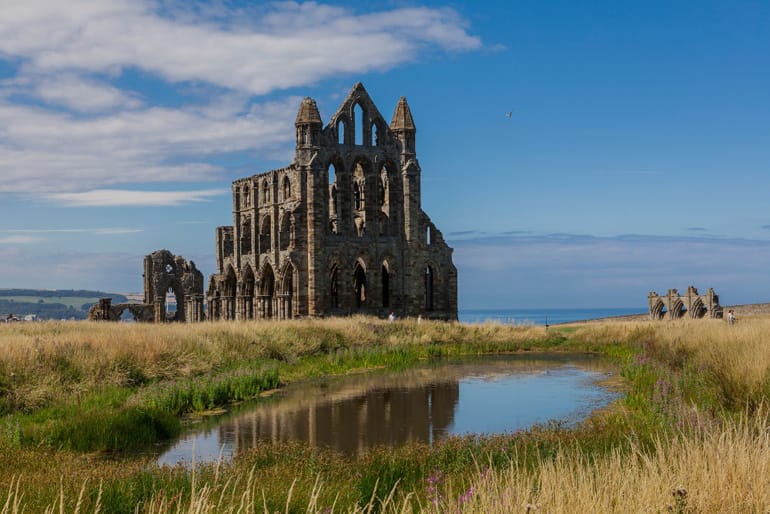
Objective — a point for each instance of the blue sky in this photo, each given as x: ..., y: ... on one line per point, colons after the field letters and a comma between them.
x: 636, y: 157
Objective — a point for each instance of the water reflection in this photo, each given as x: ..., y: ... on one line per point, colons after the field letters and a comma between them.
x: 354, y: 413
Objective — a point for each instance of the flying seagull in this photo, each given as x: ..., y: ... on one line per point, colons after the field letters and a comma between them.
x: 509, y: 114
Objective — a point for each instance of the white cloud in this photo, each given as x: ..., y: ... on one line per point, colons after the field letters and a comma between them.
x: 105, y: 271
x: 70, y: 125
x: 96, y: 231
x: 18, y: 240
x: 79, y: 94
x: 124, y: 198
x: 288, y: 44
x: 585, y: 271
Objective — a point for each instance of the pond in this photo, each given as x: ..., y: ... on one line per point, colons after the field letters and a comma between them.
x: 355, y: 412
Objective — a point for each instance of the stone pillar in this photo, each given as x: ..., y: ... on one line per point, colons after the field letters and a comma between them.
x: 160, y: 309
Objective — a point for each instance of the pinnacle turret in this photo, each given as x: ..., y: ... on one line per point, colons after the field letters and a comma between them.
x: 402, y: 117
x: 308, y: 112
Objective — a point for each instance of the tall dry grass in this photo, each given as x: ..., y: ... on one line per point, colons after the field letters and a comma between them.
x: 44, y: 362
x: 716, y: 470
x: 718, y: 463
x: 725, y: 469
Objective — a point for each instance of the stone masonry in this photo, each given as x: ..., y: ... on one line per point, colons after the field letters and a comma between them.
x: 691, y: 304
x: 164, y: 273
x: 338, y: 231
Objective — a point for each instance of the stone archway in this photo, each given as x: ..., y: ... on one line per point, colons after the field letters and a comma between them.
x: 359, y: 285
x: 265, y: 299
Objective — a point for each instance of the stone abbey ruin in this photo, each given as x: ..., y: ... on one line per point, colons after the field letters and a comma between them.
x: 691, y: 304
x: 163, y: 272
x: 339, y: 231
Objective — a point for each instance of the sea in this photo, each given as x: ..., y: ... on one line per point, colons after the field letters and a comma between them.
x: 545, y: 316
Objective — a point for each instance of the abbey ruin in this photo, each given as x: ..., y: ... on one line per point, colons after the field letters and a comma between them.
x: 673, y: 305
x: 338, y: 231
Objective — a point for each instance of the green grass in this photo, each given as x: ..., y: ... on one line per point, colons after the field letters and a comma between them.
x: 208, y: 366
x: 68, y: 301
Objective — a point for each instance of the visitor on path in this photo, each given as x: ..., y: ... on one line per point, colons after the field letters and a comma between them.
x: 730, y: 317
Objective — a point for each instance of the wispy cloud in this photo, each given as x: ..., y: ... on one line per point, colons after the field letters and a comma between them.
x: 71, y: 124
x: 583, y: 270
x: 96, y: 231
x: 124, y: 198
x: 18, y: 240
x: 105, y: 271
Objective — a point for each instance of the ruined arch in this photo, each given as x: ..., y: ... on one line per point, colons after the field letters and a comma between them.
x: 359, y: 117
x: 359, y: 284
x: 285, y: 238
x: 678, y: 309
x: 341, y: 129
x: 265, y: 229
x: 429, y: 279
x: 658, y: 310
x: 385, y: 284
x: 229, y: 289
x: 245, y: 235
x: 248, y: 283
x: 265, y: 192
x: 334, y: 286
x: 246, y: 195
x: 698, y: 309
x: 287, y: 294
x: 286, y: 188
x: 361, y: 170
x: 265, y: 299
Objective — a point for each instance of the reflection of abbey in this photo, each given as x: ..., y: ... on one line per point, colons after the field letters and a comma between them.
x: 338, y: 231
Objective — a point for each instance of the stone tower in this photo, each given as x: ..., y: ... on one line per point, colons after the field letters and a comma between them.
x: 340, y: 230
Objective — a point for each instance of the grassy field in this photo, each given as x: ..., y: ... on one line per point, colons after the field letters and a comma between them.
x: 75, y: 302
x: 689, y: 435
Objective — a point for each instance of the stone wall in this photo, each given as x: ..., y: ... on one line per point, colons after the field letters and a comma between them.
x: 338, y: 231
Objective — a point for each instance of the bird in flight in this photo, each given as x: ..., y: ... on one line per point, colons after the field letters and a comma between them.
x: 509, y: 114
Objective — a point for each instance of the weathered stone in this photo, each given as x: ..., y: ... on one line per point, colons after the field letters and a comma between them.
x: 103, y: 310
x: 339, y: 231
x: 690, y: 304
x: 164, y: 273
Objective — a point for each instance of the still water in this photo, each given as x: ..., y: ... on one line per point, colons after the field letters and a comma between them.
x: 355, y: 412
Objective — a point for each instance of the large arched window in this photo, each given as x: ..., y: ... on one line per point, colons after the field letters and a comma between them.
x: 245, y: 235
x: 358, y: 116
x: 265, y: 192
x: 247, y: 291
x: 334, y: 295
x: 359, y: 285
x: 385, y: 285
x: 333, y: 202
x: 285, y: 233
x: 265, y: 243
x: 266, y: 292
x: 246, y: 196
x: 375, y: 135
x: 359, y: 199
x: 341, y: 131
x: 428, y: 288
x: 286, y: 188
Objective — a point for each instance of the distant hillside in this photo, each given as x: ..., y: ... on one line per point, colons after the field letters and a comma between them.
x: 52, y: 304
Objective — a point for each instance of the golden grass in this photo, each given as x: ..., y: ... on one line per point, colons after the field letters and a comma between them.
x: 42, y: 361
x: 721, y: 466
x: 718, y: 470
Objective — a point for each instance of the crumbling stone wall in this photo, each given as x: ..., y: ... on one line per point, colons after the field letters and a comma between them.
x: 691, y: 304
x: 340, y: 230
x: 164, y: 273
x: 103, y: 310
